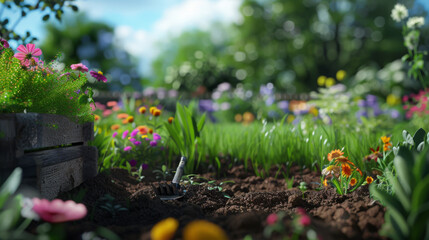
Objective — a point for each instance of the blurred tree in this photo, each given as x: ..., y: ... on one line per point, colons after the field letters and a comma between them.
x: 190, y: 62
x: 92, y: 43
x: 291, y: 43
x: 50, y: 7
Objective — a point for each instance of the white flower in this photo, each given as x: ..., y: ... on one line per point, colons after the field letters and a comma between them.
x: 399, y: 12
x: 415, y: 22
x: 27, y: 209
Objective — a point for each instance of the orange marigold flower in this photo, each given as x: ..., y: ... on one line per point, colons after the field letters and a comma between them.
x: 346, y: 170
x: 359, y: 171
x: 325, y: 182
x: 353, y: 182
x: 170, y: 119
x: 343, y: 160
x: 334, y: 154
x: 386, y: 146
x: 112, y: 103
x: 151, y: 109
x: 124, y: 121
x: 369, y: 180
x: 142, y: 110
x: 122, y: 116
x: 130, y: 119
x: 156, y: 112
x: 96, y: 117
x: 238, y: 117
x: 115, y: 127
x: 385, y: 139
x: 142, y: 129
x: 150, y: 130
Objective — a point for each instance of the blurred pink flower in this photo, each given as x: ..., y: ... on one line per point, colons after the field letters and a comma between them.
x: 107, y: 112
x: 301, y: 211
x: 134, y: 132
x: 153, y: 143
x: 98, y: 75
x: 128, y: 148
x: 137, y: 143
x: 112, y: 103
x: 272, y: 219
x: 80, y: 67
x: 28, y: 52
x: 5, y: 43
x: 304, y: 220
x: 156, y: 137
x: 57, y: 210
x: 132, y: 140
x: 125, y: 134
x: 114, y: 134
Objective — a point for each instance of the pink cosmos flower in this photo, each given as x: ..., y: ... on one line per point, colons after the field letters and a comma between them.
x: 272, y: 219
x: 5, y: 43
x: 107, y: 112
x: 128, y: 148
x: 153, y: 143
x: 57, y: 210
x: 28, y: 52
x: 114, y: 134
x: 137, y: 143
x: 132, y: 140
x: 80, y: 67
x: 125, y: 134
x: 134, y: 132
x: 98, y: 75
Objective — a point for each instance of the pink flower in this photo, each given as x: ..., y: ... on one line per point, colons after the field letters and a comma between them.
x: 58, y: 211
x: 301, y: 211
x: 107, y: 112
x: 125, y: 134
x: 272, y: 219
x: 27, y: 53
x: 304, y: 220
x: 153, y: 143
x: 98, y: 75
x: 5, y: 43
x: 132, y: 140
x: 80, y: 67
x: 134, y: 132
x: 114, y: 134
x: 128, y: 148
x: 137, y: 143
x: 156, y: 137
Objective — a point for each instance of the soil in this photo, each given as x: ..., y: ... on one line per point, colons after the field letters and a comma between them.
x: 252, y: 199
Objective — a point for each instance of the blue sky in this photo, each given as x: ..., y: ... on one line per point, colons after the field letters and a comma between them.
x: 139, y: 24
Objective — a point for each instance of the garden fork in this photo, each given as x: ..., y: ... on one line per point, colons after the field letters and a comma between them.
x: 174, y: 190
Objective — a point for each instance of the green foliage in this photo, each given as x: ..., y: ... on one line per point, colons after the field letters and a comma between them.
x: 42, y: 90
x: 407, y: 215
x: 185, y: 133
x: 11, y: 224
x: 48, y: 7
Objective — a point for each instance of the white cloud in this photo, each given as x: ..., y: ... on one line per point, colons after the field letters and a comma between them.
x: 189, y: 14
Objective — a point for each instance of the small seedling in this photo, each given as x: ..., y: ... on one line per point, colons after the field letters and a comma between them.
x: 303, y: 187
x: 109, y: 205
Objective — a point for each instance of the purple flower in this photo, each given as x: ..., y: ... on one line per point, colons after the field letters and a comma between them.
x: 145, y: 166
x: 361, y: 103
x: 137, y: 143
x: 98, y: 75
x: 80, y: 67
x: 394, y: 114
x: 377, y: 111
x: 284, y: 106
x: 127, y: 148
x: 156, y: 136
x: 206, y: 105
x: 134, y: 132
x: 132, y: 162
x: 5, y: 43
x: 114, y: 134
x: 132, y: 140
x: 153, y: 143
x: 371, y: 100
x: 124, y: 135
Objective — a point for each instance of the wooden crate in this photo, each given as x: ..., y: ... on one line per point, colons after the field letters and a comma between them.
x: 52, y: 151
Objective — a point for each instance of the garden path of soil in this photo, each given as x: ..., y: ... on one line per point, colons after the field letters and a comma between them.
x: 354, y: 216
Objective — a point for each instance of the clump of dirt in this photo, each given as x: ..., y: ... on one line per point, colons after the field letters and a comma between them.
x: 240, y: 208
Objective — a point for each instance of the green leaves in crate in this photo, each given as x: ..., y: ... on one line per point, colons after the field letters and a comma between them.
x: 407, y: 215
x: 185, y: 132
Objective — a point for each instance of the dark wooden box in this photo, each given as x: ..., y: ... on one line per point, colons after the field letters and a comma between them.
x: 52, y: 151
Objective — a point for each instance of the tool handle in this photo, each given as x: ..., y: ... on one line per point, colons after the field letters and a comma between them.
x: 179, y: 172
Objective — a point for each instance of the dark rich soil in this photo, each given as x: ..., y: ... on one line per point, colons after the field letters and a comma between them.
x: 252, y: 199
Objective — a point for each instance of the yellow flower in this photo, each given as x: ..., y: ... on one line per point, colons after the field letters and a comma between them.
x: 393, y: 100
x: 96, y: 117
x: 142, y: 110
x: 353, y: 182
x: 321, y: 80
x: 164, y: 230
x: 369, y: 180
x: 341, y: 74
x: 156, y: 112
x: 170, y: 119
x: 203, y: 230
x: 325, y: 182
x: 151, y: 109
x: 144, y: 136
x: 346, y: 170
x: 130, y: 119
x: 238, y: 117
x: 386, y: 142
x: 331, y: 170
x: 385, y: 139
x: 329, y: 82
x: 314, y: 111
x: 334, y: 154
x: 150, y: 130
x: 290, y: 118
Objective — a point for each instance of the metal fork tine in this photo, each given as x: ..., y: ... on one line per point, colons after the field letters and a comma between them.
x: 155, y: 189
x: 169, y: 190
x: 175, y: 190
